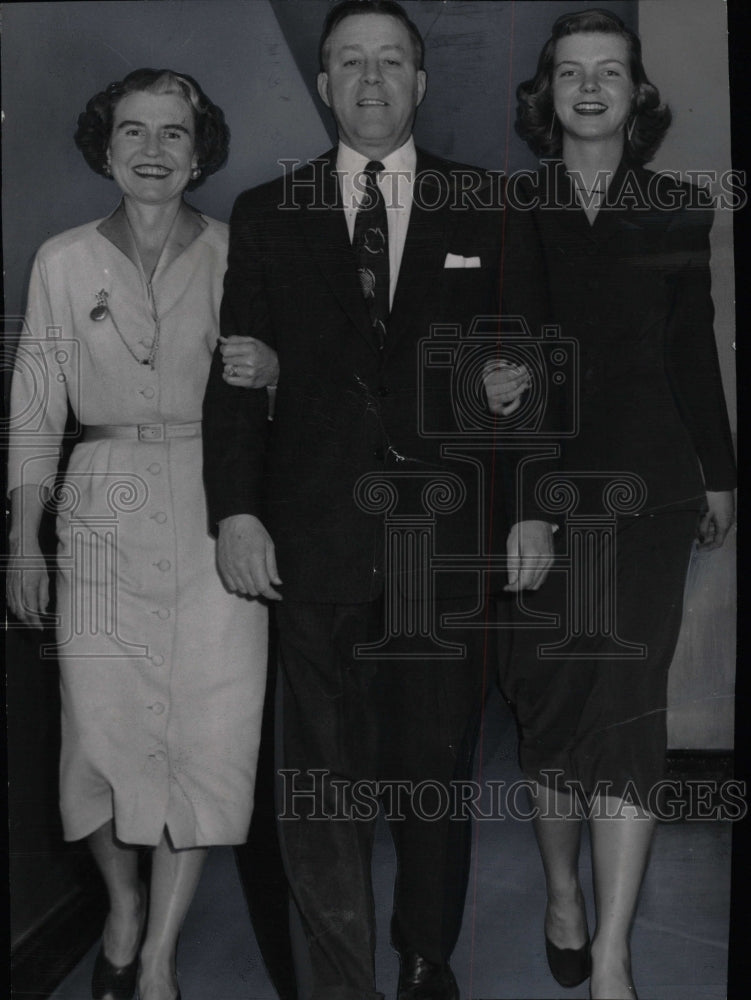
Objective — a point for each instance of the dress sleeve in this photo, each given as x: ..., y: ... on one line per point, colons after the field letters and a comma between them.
x: 38, y: 397
x: 692, y: 363
x: 235, y: 423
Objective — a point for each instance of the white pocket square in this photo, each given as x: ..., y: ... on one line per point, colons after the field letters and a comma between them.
x: 456, y: 260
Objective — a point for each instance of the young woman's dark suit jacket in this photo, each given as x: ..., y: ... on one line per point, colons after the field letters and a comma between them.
x: 634, y: 290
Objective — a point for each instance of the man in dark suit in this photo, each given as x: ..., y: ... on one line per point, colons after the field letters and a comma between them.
x: 345, y: 268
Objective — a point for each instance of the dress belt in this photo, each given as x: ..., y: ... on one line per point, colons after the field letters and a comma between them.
x: 148, y: 433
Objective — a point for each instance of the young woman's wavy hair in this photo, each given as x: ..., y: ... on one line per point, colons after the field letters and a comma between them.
x: 95, y: 123
x: 536, y: 121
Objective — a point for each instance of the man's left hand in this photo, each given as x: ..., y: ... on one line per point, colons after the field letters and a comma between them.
x: 530, y: 551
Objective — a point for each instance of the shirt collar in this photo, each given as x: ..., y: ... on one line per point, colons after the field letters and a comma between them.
x: 403, y: 159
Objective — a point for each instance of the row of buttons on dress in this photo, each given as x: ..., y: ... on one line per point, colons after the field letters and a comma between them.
x: 160, y: 517
x: 163, y: 565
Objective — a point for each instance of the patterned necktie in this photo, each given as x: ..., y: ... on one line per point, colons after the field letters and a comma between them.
x: 371, y: 245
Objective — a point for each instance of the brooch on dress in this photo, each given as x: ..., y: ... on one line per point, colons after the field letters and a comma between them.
x: 100, y: 310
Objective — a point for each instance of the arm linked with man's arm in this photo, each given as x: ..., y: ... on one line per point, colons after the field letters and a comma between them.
x: 524, y: 292
x: 235, y: 423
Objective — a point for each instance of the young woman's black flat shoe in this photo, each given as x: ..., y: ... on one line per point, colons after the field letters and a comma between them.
x: 570, y: 966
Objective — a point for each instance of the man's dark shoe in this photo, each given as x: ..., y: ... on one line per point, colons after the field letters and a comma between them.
x: 420, y: 979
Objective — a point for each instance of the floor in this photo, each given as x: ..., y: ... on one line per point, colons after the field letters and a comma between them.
x: 679, y: 940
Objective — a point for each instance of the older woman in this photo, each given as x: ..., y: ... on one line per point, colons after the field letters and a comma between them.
x: 619, y: 257
x: 162, y: 670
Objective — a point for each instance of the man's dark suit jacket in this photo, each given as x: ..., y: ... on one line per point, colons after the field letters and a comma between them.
x: 344, y: 409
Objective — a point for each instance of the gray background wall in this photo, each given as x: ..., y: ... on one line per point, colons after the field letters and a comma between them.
x: 689, y: 63
x: 685, y: 52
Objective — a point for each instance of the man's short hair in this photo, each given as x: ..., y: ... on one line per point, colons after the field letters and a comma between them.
x: 349, y: 7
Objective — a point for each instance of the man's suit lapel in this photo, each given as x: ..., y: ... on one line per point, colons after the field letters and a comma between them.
x: 325, y: 233
x: 425, y: 247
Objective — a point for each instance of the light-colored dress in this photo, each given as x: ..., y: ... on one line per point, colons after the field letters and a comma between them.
x: 162, y: 670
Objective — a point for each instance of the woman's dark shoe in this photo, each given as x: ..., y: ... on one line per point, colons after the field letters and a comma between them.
x: 108, y: 980
x: 117, y: 982
x: 570, y: 966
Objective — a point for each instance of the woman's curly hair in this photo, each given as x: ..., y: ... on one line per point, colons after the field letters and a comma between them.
x: 95, y: 123
x: 536, y: 121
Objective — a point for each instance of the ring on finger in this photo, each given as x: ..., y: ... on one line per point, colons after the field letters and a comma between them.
x: 232, y: 371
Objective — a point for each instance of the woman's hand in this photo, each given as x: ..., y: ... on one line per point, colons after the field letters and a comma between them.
x: 717, y: 520
x: 248, y: 363
x: 27, y: 583
x: 505, y: 384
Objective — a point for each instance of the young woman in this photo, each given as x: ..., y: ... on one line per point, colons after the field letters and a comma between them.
x: 618, y: 257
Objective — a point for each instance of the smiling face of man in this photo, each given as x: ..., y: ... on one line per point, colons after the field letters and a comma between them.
x: 372, y: 83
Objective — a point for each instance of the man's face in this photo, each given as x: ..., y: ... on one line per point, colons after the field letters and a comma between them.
x: 372, y: 83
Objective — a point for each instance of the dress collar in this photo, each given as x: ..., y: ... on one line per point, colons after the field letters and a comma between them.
x: 188, y: 225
